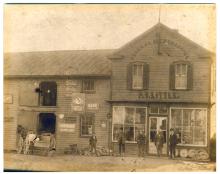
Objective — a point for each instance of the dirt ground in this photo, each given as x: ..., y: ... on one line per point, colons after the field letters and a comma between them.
x: 103, y: 163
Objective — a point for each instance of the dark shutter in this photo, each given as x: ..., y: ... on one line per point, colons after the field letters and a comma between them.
x: 129, y: 76
x: 146, y: 76
x: 27, y: 94
x: 172, y: 76
x: 189, y: 77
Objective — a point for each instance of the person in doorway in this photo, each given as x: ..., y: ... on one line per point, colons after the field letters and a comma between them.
x: 159, y: 141
x: 92, y: 143
x: 172, y: 143
x: 121, y: 142
x: 141, y: 144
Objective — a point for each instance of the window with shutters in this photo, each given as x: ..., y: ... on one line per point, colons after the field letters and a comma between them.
x: 138, y: 75
x: 87, y: 124
x: 181, y: 77
x: 48, y: 93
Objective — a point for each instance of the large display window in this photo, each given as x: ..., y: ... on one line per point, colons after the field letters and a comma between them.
x: 190, y: 125
x: 130, y: 119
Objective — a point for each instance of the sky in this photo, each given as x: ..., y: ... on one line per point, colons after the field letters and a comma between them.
x: 84, y: 27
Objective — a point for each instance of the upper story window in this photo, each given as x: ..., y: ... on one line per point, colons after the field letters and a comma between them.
x: 138, y: 75
x: 88, y: 85
x: 181, y: 76
x: 48, y: 93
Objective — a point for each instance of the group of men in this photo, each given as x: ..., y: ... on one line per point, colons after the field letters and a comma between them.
x: 159, y: 141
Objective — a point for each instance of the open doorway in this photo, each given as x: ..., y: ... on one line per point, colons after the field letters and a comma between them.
x: 47, y: 123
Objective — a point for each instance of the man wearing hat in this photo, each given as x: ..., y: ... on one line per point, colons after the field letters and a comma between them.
x: 92, y: 143
x: 172, y: 143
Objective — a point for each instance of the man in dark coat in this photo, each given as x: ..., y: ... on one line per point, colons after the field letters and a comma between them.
x: 141, y: 144
x: 172, y: 143
x: 92, y: 143
x: 121, y: 142
x: 159, y: 141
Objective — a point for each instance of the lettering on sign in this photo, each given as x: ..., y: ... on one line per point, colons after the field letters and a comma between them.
x: 70, y: 119
x: 158, y: 95
x: 92, y: 106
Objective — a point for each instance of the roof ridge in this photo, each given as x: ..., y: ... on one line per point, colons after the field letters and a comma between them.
x: 47, y: 51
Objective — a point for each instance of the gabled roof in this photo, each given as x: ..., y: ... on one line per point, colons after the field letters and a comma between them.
x: 159, y: 28
x: 58, y: 63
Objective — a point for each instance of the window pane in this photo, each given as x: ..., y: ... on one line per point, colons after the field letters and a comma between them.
x: 88, y: 85
x: 140, y: 115
x: 135, y: 69
x: 153, y: 123
x: 184, y: 69
x: 154, y: 109
x: 163, y: 110
x: 48, y: 93
x: 118, y: 115
x: 87, y: 125
x: 176, y: 118
x: 129, y: 115
x: 138, y: 128
x: 137, y: 76
x: 178, y: 69
x: 152, y: 135
x: 116, y: 130
x: 129, y: 133
x: 200, y: 127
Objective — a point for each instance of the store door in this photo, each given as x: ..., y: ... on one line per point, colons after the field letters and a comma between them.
x: 157, y: 123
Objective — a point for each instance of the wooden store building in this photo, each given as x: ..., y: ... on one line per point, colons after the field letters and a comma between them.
x: 159, y: 80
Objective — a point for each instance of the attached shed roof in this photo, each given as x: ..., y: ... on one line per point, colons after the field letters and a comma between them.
x: 58, y: 63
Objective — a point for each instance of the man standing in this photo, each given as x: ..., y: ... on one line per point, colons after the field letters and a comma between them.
x: 159, y: 141
x: 121, y: 142
x: 172, y: 143
x: 141, y: 144
x: 92, y: 143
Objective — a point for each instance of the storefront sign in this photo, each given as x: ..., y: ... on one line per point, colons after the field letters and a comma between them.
x: 158, y: 95
x: 92, y: 106
x: 64, y: 127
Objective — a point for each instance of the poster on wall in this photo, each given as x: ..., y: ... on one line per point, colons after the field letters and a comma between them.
x: 78, y: 102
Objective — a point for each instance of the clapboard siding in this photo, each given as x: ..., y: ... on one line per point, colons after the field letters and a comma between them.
x: 64, y: 139
x: 159, y: 77
x: 10, y: 115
